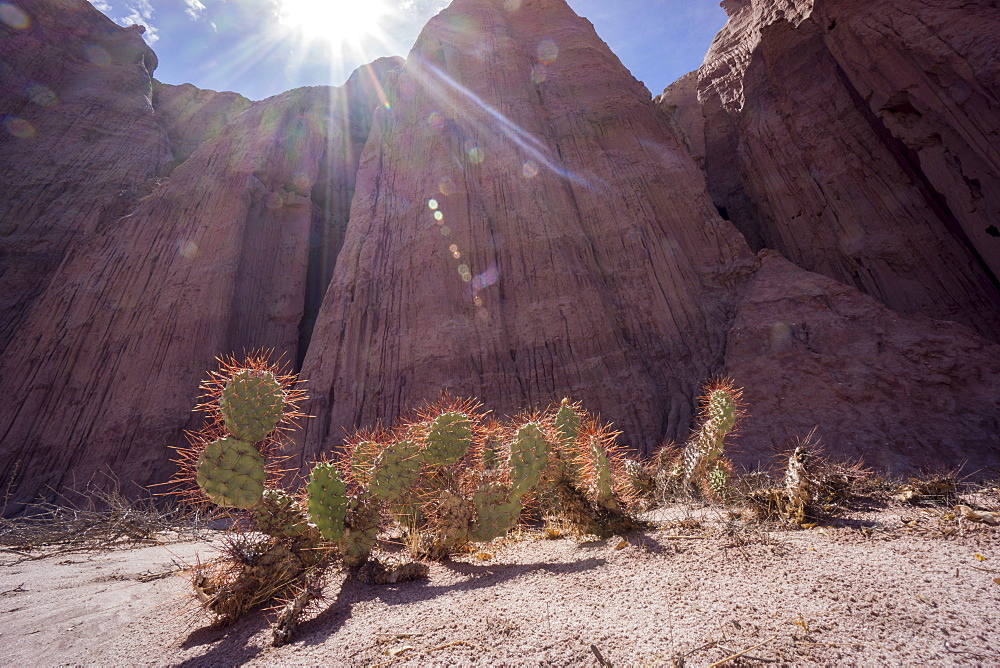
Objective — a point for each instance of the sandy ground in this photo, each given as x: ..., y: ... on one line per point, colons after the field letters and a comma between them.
x: 885, y: 587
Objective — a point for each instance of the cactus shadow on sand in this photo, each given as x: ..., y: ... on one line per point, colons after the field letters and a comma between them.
x: 318, y: 629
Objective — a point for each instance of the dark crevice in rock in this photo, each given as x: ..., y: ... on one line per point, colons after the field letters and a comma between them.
x: 331, y: 207
x: 909, y: 163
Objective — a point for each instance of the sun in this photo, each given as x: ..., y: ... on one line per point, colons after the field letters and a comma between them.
x: 336, y: 21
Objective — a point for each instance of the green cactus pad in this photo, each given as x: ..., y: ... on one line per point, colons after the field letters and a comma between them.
x: 252, y: 404
x: 718, y: 478
x: 395, y: 472
x: 448, y: 438
x: 529, y: 453
x: 604, y: 484
x: 721, y: 411
x: 231, y: 473
x: 497, y: 512
x: 280, y: 517
x: 361, y: 530
x: 327, y: 501
x: 568, y: 422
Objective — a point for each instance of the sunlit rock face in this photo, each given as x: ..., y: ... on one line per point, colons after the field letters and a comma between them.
x: 526, y: 227
x: 230, y: 250
x: 861, y: 140
x: 903, y: 393
x: 508, y: 216
x: 79, y: 140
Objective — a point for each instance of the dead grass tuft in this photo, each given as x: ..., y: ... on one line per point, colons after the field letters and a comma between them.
x: 103, y: 518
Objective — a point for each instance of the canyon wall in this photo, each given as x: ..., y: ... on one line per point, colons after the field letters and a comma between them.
x: 225, y: 247
x: 508, y: 215
x: 526, y: 227
x: 861, y: 140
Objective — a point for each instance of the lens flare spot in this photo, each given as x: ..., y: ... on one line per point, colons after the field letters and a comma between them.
x: 476, y: 155
x: 96, y: 55
x: 432, y: 204
x: 485, y: 279
x: 453, y: 248
x: 14, y: 16
x: 187, y: 249
x: 463, y: 271
x: 447, y: 186
x: 41, y: 95
x: 457, y: 255
x: 477, y: 300
x: 539, y: 74
x: 445, y: 230
x: 547, y: 51
x: 530, y: 169
x: 438, y: 215
x: 19, y: 127
x: 436, y: 121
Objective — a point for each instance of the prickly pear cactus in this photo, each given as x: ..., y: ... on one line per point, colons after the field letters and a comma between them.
x: 604, y: 483
x: 396, y: 472
x: 568, y: 423
x: 362, y: 460
x: 361, y: 529
x: 278, y: 515
x: 231, y: 473
x: 448, y: 438
x: 717, y: 480
x: 252, y: 404
x: 327, y: 501
x: 719, y: 414
x: 451, y: 523
x: 529, y: 453
x: 497, y: 512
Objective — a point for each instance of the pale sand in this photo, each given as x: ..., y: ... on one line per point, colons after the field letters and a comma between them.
x: 829, y: 596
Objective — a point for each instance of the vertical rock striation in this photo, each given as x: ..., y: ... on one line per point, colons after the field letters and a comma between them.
x: 526, y: 226
x: 224, y: 253
x: 79, y: 140
x: 860, y: 139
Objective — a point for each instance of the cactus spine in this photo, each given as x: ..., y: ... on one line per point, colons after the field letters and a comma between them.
x: 720, y: 410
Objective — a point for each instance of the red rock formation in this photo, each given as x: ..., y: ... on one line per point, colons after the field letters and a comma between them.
x: 526, y: 227
x: 860, y: 139
x: 79, y: 141
x: 226, y: 253
x: 900, y: 391
x: 521, y: 225
x: 191, y: 116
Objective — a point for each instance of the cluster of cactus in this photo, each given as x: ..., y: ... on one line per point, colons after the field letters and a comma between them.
x: 699, y: 467
x: 447, y: 478
x: 251, y: 406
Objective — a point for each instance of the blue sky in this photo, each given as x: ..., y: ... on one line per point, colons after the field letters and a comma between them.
x: 263, y: 47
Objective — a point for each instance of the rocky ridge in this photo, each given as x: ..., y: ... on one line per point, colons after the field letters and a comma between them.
x: 506, y: 215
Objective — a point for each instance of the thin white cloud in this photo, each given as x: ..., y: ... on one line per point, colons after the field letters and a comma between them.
x: 101, y: 6
x: 194, y: 8
x: 141, y: 13
x: 422, y: 6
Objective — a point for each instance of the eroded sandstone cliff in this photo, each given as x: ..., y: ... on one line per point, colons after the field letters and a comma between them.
x: 229, y: 250
x: 509, y: 216
x: 861, y: 140
x: 526, y: 227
